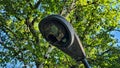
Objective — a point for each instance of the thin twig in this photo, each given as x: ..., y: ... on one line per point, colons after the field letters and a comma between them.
x: 10, y: 31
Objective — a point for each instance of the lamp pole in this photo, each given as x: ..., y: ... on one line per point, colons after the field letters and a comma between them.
x: 85, y: 62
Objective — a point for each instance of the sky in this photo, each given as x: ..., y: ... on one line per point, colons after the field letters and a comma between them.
x: 116, y: 36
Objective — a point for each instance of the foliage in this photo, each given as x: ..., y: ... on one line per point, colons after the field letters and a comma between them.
x: 93, y: 20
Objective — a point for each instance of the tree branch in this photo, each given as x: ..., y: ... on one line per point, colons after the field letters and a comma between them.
x: 32, y: 30
x: 50, y: 48
x: 66, y: 10
x: 33, y: 21
x: 37, y: 4
x: 106, y: 52
x: 10, y: 31
x: 63, y: 9
x: 31, y: 6
x: 17, y: 17
x: 70, y: 8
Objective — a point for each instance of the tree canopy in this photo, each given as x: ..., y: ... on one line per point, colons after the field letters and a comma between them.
x: 22, y: 43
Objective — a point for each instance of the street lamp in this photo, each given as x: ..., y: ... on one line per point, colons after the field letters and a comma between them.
x: 60, y: 33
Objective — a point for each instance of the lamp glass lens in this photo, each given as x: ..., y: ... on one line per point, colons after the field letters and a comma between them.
x: 56, y: 33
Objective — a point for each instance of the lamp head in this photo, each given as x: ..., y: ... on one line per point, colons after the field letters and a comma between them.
x: 56, y: 30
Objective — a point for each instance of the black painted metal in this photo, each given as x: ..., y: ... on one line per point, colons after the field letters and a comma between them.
x: 58, y: 32
x: 86, y: 64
